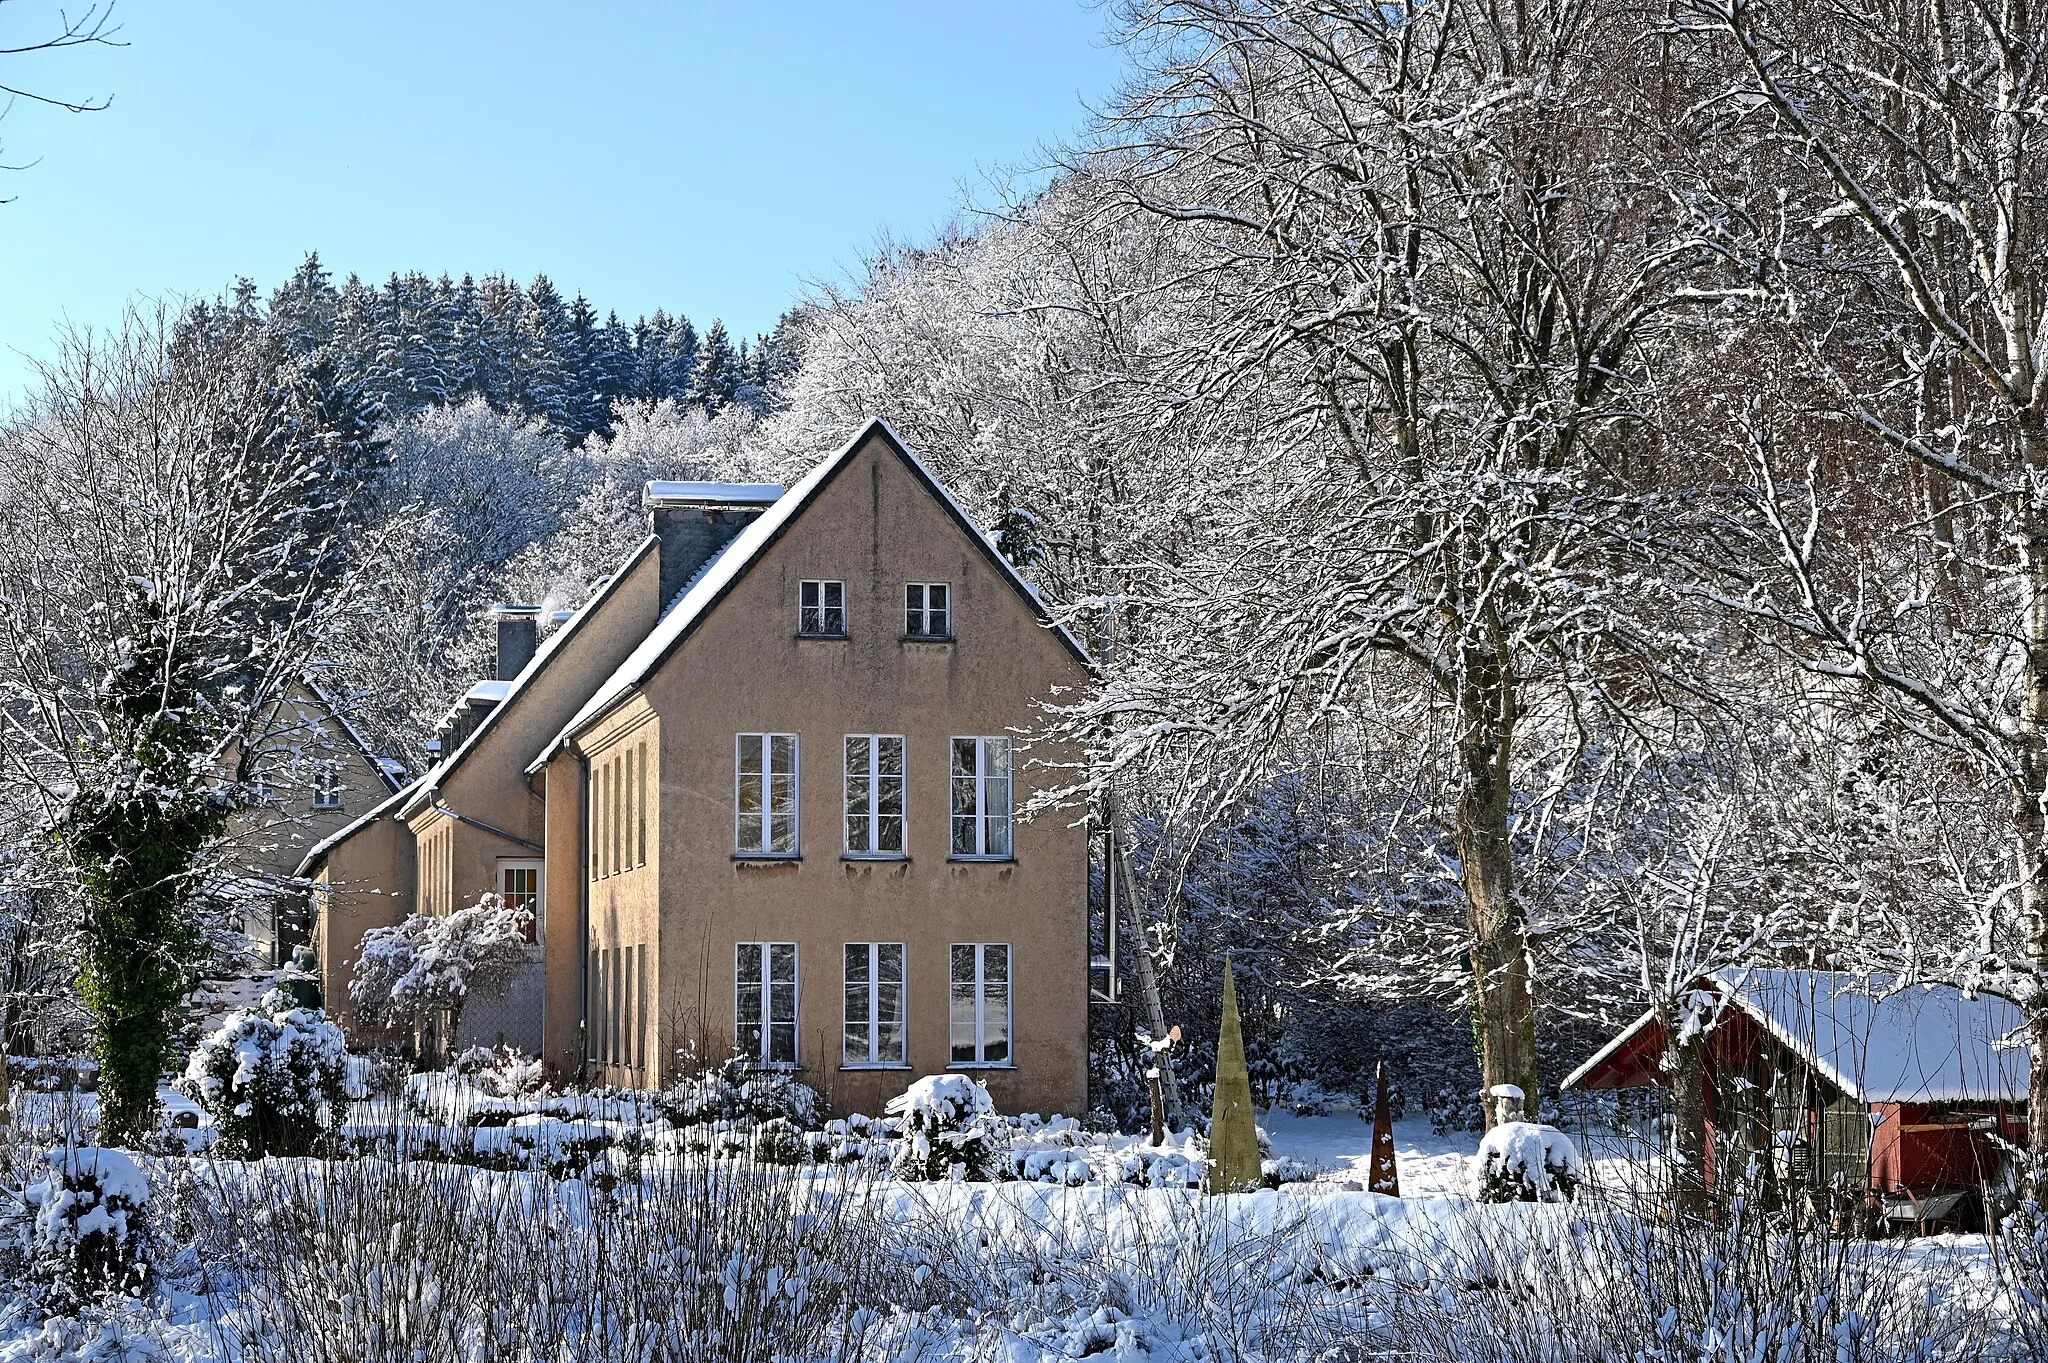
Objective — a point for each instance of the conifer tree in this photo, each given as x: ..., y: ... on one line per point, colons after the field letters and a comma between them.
x: 718, y: 370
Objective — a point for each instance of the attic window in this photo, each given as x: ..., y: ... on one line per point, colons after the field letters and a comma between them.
x: 326, y: 785
x: 821, y: 610
x: 928, y: 611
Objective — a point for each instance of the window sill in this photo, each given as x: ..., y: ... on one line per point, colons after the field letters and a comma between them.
x: 767, y: 858
x: 884, y: 857
x: 885, y: 1069
x: 984, y: 861
x: 982, y: 1065
x: 927, y: 639
x: 806, y: 634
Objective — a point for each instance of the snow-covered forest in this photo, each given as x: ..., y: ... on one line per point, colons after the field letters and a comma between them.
x: 1557, y: 499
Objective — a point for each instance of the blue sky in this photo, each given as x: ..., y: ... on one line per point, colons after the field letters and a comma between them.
x: 703, y: 157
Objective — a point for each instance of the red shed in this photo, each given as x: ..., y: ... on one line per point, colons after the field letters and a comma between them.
x: 1848, y: 1082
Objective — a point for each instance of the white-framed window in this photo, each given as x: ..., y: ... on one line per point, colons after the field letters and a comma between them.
x: 928, y: 610
x: 520, y: 886
x: 874, y: 1003
x: 821, y: 609
x: 764, y: 795
x: 874, y: 795
x: 326, y: 785
x: 978, y: 1002
x: 262, y: 790
x: 764, y: 988
x: 981, y: 798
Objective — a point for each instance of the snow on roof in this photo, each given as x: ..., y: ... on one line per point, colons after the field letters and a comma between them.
x: 556, y: 640
x: 490, y: 689
x: 1924, y: 1043
x: 730, y: 563
x: 662, y: 491
x: 1876, y: 1041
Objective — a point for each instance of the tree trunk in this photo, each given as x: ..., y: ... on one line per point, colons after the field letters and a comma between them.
x: 1689, y: 1189
x: 2030, y: 804
x: 1503, y: 1006
x: 1148, y: 975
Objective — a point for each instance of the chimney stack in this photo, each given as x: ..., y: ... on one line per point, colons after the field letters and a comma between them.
x: 518, y: 638
x: 696, y: 520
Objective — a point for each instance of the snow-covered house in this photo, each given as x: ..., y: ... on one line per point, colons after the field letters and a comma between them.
x: 1901, y: 1090
x: 760, y: 793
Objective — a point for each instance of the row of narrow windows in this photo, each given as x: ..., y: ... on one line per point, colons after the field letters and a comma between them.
x: 618, y: 813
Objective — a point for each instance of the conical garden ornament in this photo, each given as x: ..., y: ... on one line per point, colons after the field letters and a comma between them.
x: 1386, y: 1175
x: 1233, y: 1136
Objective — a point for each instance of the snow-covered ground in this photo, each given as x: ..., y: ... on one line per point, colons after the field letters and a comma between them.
x: 1027, y: 1272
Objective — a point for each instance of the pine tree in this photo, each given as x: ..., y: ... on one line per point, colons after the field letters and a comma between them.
x: 718, y: 370
x: 302, y: 311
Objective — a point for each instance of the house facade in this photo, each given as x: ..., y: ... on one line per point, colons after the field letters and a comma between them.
x: 763, y: 793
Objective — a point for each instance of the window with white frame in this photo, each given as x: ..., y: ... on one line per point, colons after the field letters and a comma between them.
x: 821, y: 609
x: 326, y: 785
x: 979, y: 1003
x: 764, y: 984
x: 519, y: 886
x: 874, y: 795
x: 928, y: 610
x: 764, y: 799
x: 981, y: 797
x: 874, y: 1003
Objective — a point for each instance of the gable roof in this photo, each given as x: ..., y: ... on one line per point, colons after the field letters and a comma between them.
x: 723, y: 572
x: 550, y: 647
x: 1877, y: 1042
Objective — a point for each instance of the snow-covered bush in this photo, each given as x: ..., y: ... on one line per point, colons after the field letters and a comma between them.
x: 431, y: 963
x: 503, y: 1071
x: 736, y: 1092
x: 1525, y: 1162
x: 87, y: 1238
x: 272, y: 1077
x: 947, y: 1124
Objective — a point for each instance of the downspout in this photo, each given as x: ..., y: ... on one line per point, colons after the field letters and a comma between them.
x: 582, y: 915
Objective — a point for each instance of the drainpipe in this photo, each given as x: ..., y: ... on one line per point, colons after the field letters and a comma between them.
x: 582, y: 915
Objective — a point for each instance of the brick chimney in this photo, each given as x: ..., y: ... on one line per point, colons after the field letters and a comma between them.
x: 518, y: 637
x: 696, y: 520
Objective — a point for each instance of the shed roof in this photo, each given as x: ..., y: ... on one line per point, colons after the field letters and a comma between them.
x: 1876, y: 1040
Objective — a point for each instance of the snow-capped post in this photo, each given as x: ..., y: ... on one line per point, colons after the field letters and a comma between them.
x: 1161, y: 1049
x: 1505, y: 1103
x: 1233, y: 1134
x: 1386, y: 1173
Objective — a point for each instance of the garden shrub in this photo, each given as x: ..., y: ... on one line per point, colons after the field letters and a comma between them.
x: 947, y: 1125
x: 87, y: 1240
x: 1525, y: 1162
x: 271, y: 1078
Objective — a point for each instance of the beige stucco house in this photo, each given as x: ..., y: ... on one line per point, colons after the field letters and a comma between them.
x: 312, y: 774
x: 761, y: 792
